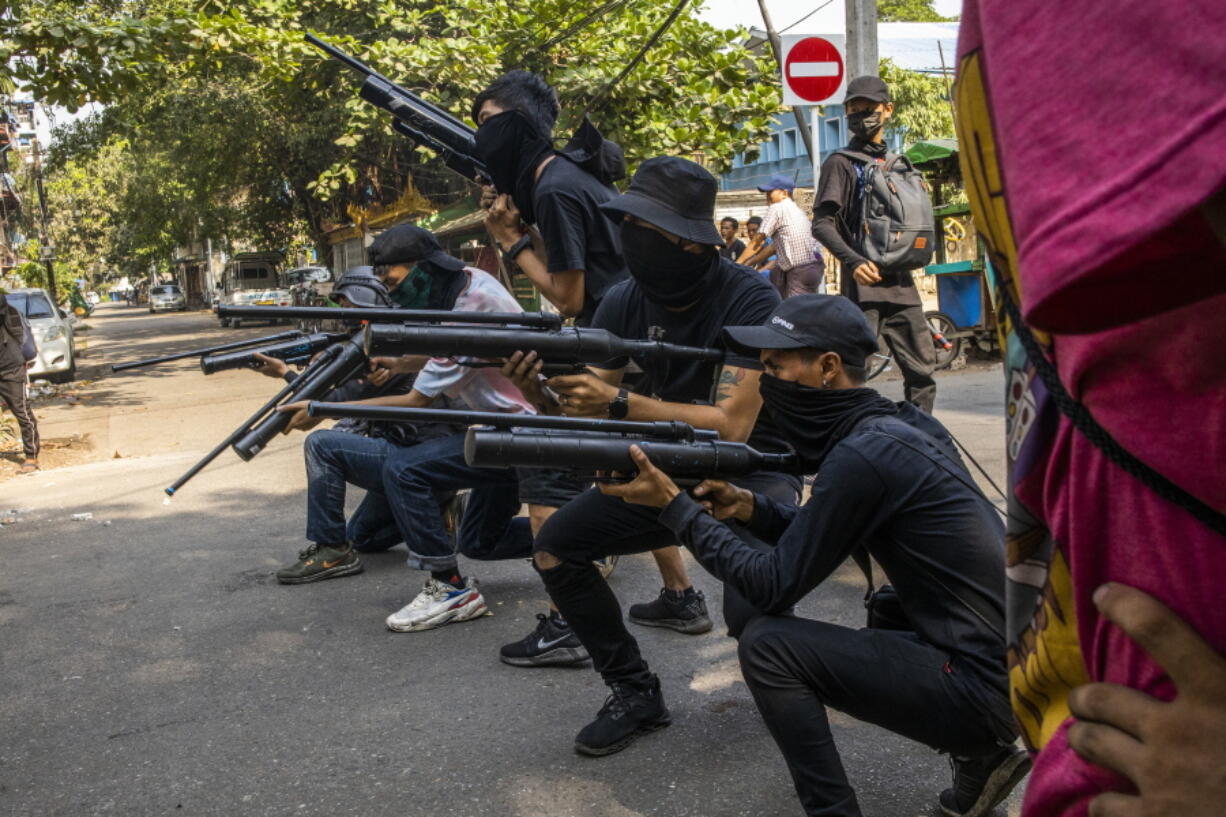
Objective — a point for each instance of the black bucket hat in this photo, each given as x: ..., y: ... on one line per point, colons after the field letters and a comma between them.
x: 408, y: 244
x: 674, y: 194
x: 362, y: 288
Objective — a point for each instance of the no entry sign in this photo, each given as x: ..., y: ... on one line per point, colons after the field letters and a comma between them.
x: 814, y: 70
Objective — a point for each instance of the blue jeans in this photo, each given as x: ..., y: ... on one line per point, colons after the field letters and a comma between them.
x: 489, y: 530
x: 333, y: 459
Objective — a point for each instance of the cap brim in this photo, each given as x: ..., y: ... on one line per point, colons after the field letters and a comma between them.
x: 699, y: 231
x: 445, y: 261
x: 752, y: 339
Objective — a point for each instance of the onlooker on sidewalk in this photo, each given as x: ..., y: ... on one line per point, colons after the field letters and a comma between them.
x: 888, y: 296
x: 756, y: 240
x: 799, y: 269
x: 17, y: 353
x: 733, y: 246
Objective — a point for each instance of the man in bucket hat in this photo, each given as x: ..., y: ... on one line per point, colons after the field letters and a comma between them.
x: 681, y: 290
x: 890, y: 482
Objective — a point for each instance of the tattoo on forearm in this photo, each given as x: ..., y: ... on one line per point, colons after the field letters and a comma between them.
x: 728, y: 380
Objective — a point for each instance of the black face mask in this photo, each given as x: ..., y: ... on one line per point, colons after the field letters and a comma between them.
x: 813, y: 420
x: 512, y: 148
x: 864, y: 124
x: 667, y: 273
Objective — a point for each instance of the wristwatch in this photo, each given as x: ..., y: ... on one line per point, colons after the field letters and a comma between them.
x: 619, y: 406
x: 508, y: 255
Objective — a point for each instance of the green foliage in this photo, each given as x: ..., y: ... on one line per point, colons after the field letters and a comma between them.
x: 909, y: 11
x: 921, y: 106
x: 220, y: 120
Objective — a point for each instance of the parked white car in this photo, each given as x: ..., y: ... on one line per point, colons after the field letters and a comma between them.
x: 167, y: 298
x: 52, y: 330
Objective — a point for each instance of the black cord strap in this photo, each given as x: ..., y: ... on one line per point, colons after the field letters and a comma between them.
x: 1084, y: 422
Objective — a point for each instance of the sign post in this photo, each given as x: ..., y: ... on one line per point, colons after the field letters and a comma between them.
x: 814, y: 72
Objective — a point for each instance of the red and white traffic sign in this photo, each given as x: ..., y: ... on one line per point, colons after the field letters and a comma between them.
x: 814, y: 68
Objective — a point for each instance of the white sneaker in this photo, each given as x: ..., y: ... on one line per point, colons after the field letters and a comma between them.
x: 437, y: 604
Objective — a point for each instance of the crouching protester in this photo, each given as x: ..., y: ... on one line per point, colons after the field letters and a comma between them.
x: 888, y: 481
x: 334, y: 456
x: 421, y: 275
x: 683, y: 292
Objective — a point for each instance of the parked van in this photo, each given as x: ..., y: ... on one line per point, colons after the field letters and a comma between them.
x: 252, y: 279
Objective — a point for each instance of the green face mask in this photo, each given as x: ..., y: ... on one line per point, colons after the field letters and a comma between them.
x: 413, y: 292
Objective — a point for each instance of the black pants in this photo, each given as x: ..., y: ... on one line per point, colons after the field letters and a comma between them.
x: 906, y: 332
x: 15, y: 392
x: 594, y: 525
x: 795, y: 668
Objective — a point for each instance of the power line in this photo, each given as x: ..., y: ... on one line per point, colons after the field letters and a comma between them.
x: 599, y: 99
x: 806, y: 17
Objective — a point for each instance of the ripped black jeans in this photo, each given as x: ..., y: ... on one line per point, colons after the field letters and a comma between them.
x: 593, y: 526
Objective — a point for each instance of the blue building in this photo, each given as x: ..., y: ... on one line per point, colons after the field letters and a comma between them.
x: 913, y: 46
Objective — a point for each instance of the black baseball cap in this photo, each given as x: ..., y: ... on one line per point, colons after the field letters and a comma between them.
x: 873, y: 89
x: 674, y: 194
x: 826, y: 323
x: 407, y: 244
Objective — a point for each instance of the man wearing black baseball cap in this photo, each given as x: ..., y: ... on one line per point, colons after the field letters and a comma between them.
x: 889, y: 482
x: 682, y: 291
x: 888, y: 296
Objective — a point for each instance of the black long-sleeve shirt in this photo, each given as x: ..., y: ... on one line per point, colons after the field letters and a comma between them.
x: 836, y: 219
x: 897, y: 487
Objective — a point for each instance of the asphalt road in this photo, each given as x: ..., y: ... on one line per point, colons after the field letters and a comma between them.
x: 152, y: 666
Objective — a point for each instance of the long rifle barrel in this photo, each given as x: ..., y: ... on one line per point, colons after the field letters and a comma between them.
x: 698, y: 459
x: 663, y: 429
x: 539, y: 320
x: 292, y: 351
x: 575, y: 346
x: 208, y: 350
x: 422, y: 121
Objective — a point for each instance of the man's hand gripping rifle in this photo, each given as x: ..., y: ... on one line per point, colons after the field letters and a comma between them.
x: 589, y: 446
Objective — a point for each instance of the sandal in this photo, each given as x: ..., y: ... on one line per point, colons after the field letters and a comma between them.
x: 28, y: 467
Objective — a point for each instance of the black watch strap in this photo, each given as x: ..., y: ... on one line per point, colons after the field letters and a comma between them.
x: 508, y: 255
x: 619, y: 406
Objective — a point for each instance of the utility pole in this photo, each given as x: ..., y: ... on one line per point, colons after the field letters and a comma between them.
x: 802, y: 123
x: 862, y: 39
x: 46, y: 248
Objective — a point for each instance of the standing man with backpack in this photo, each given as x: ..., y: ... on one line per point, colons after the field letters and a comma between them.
x: 874, y: 214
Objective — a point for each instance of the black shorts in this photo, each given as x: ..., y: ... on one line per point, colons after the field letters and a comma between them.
x: 550, y: 487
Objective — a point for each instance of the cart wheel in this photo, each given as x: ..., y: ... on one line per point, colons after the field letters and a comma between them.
x: 944, y: 333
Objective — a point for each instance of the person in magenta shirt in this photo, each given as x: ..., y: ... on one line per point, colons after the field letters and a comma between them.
x: 1093, y: 141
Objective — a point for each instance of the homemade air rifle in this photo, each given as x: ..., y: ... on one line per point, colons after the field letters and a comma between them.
x: 426, y: 124
x: 208, y: 350
x: 685, y: 453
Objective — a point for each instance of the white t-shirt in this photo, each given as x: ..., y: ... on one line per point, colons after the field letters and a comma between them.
x: 476, y: 389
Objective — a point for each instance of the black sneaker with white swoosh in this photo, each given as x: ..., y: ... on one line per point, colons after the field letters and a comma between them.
x: 552, y: 643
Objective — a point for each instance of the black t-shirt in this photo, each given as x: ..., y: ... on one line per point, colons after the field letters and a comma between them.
x: 836, y: 223
x: 737, y: 296
x: 577, y: 233
x: 732, y: 251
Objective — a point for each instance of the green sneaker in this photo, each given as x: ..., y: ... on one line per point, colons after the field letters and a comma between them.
x: 320, y: 562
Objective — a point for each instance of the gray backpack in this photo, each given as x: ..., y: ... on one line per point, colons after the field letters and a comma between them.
x: 895, y: 227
